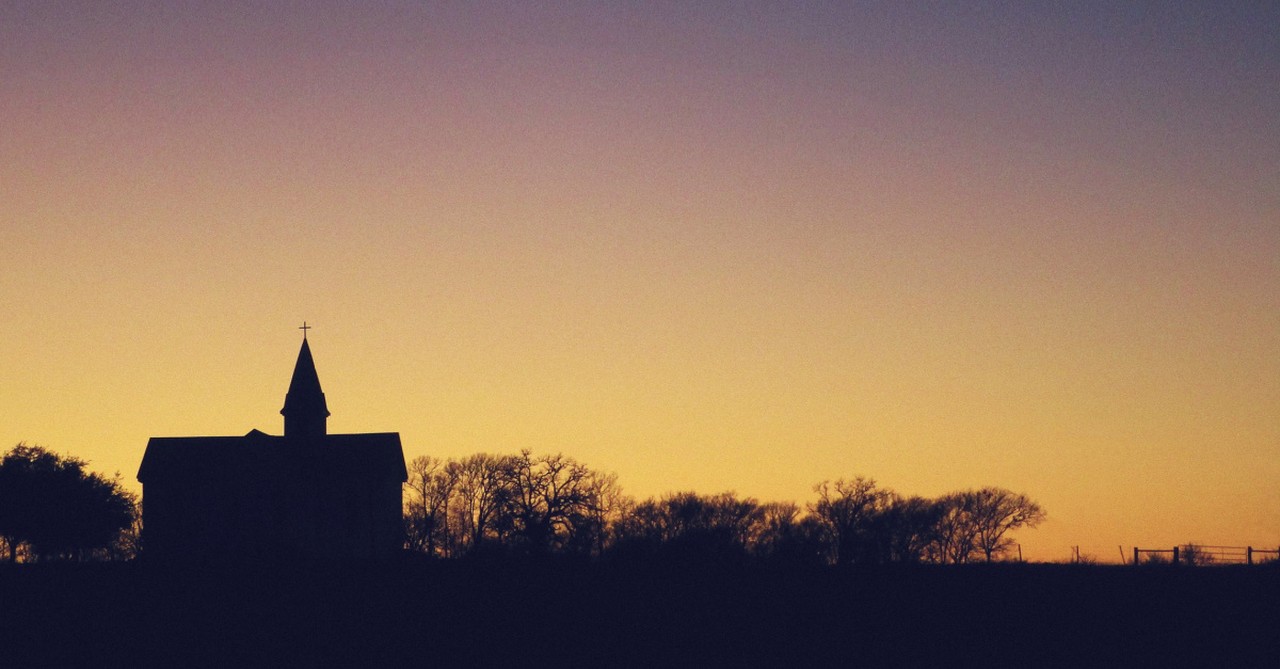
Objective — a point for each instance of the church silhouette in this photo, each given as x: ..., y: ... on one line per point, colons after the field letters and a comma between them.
x: 308, y: 495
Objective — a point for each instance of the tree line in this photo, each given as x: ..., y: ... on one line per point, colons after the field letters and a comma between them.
x: 553, y: 504
x: 53, y: 508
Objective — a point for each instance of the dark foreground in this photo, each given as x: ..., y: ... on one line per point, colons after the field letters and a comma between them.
x: 470, y: 614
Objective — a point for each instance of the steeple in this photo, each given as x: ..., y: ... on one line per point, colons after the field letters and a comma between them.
x: 305, y: 413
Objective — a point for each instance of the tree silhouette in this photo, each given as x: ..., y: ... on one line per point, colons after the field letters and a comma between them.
x: 787, y: 535
x: 848, y: 510
x: 606, y: 505
x: 909, y: 526
x: 128, y: 544
x: 688, y: 525
x: 531, y: 504
x: 482, y: 497
x: 58, y: 509
x: 544, y: 504
x: 956, y: 532
x: 995, y: 512
x: 426, y: 506
x: 977, y: 522
x: 550, y: 501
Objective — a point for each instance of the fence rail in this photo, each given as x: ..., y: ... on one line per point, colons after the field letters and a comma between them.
x: 1198, y: 554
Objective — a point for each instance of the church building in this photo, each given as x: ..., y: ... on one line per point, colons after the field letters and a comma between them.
x: 307, y: 495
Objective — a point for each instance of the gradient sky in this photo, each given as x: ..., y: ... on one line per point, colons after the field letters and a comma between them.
x: 708, y: 246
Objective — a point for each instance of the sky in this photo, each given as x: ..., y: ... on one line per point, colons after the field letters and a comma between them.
x: 707, y: 246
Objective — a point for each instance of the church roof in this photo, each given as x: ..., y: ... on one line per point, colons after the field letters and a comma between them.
x: 374, y: 455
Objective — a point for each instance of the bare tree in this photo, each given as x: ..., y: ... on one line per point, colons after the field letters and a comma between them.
x: 606, y: 506
x: 711, y: 525
x: 538, y: 503
x: 995, y: 512
x: 742, y: 517
x: 910, y: 526
x: 480, y: 499
x: 777, y: 526
x: 847, y: 509
x: 428, y: 490
x: 955, y: 538
x: 786, y: 534
x: 550, y: 500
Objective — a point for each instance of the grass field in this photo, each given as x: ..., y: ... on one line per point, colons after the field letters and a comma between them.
x: 640, y: 614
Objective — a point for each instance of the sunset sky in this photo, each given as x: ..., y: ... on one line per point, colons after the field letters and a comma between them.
x: 707, y: 246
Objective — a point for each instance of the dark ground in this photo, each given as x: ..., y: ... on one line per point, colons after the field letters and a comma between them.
x: 641, y: 615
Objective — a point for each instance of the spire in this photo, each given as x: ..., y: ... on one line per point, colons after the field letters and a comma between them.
x: 305, y: 413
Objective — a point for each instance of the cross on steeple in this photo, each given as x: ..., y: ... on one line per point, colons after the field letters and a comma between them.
x: 304, y: 329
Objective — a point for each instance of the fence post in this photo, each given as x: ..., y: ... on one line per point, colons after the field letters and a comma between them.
x: 1248, y: 555
x: 1135, y: 556
x: 1175, y: 555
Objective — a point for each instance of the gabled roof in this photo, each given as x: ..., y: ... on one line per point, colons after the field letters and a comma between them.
x: 371, y: 455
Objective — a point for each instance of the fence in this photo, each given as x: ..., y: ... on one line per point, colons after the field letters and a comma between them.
x: 1196, y: 554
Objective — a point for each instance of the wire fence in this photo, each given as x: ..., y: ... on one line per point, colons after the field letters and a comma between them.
x: 1203, y: 555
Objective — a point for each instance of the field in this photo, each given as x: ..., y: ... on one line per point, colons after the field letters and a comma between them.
x: 574, y: 614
